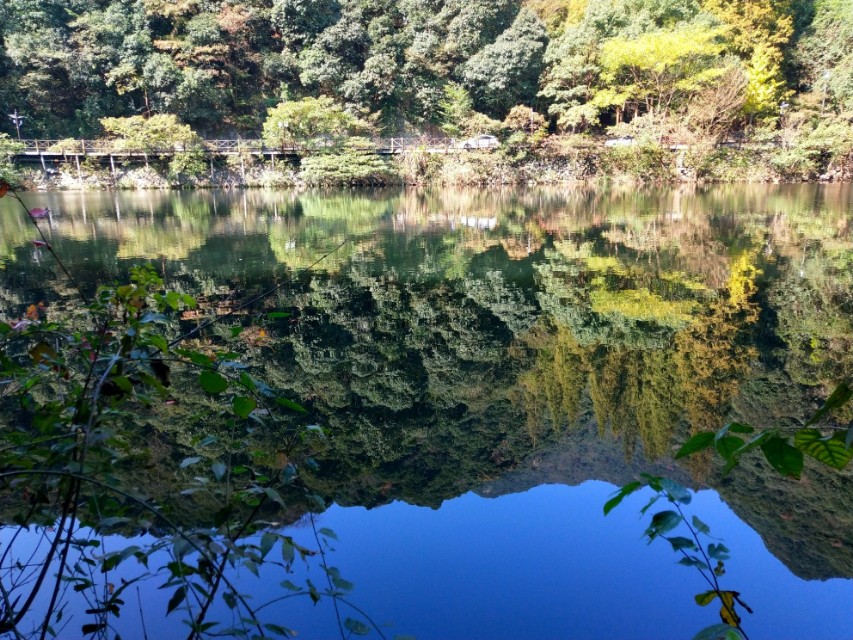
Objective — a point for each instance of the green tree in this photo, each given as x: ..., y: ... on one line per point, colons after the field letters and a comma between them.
x: 570, y: 78
x: 456, y: 107
x: 825, y: 53
x: 160, y: 132
x: 506, y: 72
x: 300, y: 21
x: 311, y: 123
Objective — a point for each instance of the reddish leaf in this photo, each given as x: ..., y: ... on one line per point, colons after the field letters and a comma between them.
x: 40, y: 243
x: 4, y: 188
x: 40, y: 212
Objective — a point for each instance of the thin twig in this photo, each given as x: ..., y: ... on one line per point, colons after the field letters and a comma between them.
x: 328, y: 577
x: 141, y: 614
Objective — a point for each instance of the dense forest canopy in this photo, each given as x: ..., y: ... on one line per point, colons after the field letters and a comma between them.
x: 409, y: 65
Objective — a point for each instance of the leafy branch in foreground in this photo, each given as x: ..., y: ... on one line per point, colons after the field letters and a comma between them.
x: 78, y: 449
x: 688, y: 539
x: 783, y: 451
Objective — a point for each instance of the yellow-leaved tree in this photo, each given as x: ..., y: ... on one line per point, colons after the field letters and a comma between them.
x: 659, y: 71
x: 758, y: 31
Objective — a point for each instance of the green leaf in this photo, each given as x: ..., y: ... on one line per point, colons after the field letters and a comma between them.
x: 837, y: 398
x: 290, y: 404
x: 356, y: 626
x: 247, y: 383
x: 243, y: 406
x: 288, y: 551
x: 90, y: 629
x: 153, y: 317
x: 328, y: 533
x: 706, y: 598
x: 699, y: 442
x: 173, y: 299
x: 159, y: 342
x: 786, y: 459
x: 700, y: 526
x: 620, y: 495
x: 827, y: 450
x: 284, y: 632
x: 727, y: 446
x: 734, y: 427
x: 718, y: 551
x: 176, y: 599
x: 274, y: 495
x: 693, y: 561
x: 186, y: 462
x: 112, y: 521
x: 236, y: 331
x: 275, y: 315
x: 212, y: 382
x: 312, y: 592
x: 268, y: 541
x: 287, y: 584
x: 335, y: 576
x: 754, y: 442
x: 678, y: 543
x: 675, y: 491
x: 4, y: 328
x: 649, y: 504
x: 663, y: 522
x: 196, y: 357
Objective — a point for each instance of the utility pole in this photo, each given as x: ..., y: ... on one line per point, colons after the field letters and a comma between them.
x: 18, y: 120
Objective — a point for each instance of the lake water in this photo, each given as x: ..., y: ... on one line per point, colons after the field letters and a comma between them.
x: 489, y: 366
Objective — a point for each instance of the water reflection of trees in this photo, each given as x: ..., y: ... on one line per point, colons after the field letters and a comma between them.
x: 439, y: 358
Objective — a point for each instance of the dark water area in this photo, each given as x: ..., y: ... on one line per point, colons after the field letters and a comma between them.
x: 488, y: 365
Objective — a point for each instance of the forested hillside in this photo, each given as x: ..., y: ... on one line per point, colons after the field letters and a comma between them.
x: 680, y: 68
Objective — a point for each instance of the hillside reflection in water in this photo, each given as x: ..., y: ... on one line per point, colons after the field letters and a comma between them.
x: 496, y: 341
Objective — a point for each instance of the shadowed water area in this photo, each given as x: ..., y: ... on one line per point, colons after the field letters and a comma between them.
x: 486, y: 365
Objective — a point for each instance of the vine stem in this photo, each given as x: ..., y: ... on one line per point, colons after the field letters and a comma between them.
x: 712, y: 579
x: 328, y: 577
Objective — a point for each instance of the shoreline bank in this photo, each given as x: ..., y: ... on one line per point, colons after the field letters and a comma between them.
x: 640, y: 164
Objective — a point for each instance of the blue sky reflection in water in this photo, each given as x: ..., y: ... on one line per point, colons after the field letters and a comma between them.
x: 547, y: 564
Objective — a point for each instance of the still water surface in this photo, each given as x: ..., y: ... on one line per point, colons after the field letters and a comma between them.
x: 490, y: 364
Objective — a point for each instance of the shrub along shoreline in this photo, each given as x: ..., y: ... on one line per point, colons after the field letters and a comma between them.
x: 557, y: 161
